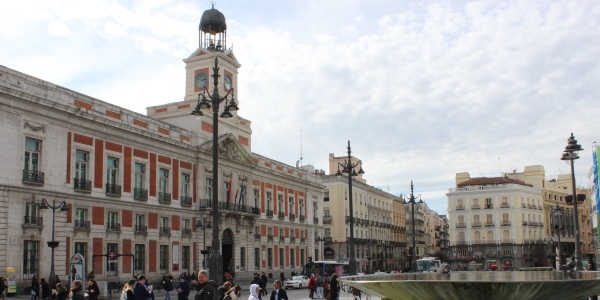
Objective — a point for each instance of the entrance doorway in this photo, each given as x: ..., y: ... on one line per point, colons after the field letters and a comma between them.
x: 227, y: 246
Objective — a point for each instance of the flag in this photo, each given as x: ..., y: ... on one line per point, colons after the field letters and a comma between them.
x: 236, y: 192
x: 241, y: 192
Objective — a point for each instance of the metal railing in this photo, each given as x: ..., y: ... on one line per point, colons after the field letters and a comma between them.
x: 33, y: 177
x: 504, y: 205
x: 82, y: 185
x: 82, y: 225
x: 186, y: 231
x: 292, y: 239
x: 524, y: 223
x: 185, y: 200
x: 489, y: 206
x: 113, y: 226
x: 476, y: 224
x: 230, y: 206
x: 505, y: 223
x: 140, y: 194
x: 164, y: 197
x: 164, y: 230
x: 282, y: 238
x: 302, y: 239
x: 475, y: 206
x: 460, y: 207
x: 33, y: 221
x: 292, y: 217
x: 316, y: 220
x: 269, y: 213
x: 490, y: 224
x: 301, y: 219
x: 113, y: 189
x: 140, y: 229
x: 327, y: 239
x: 257, y: 236
x: 281, y: 215
x: 461, y: 225
x: 269, y: 237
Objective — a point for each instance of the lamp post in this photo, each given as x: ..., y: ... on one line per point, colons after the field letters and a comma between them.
x: 203, y: 226
x: 320, y: 240
x: 558, y: 211
x: 411, y: 200
x: 571, y: 153
x: 214, y: 100
x: 53, y: 244
x: 349, y: 168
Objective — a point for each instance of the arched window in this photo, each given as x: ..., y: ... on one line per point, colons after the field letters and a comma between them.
x: 490, y: 236
x: 505, y: 236
x: 477, y: 237
x: 461, y: 237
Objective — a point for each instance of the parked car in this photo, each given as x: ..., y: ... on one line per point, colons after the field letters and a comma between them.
x: 296, y: 282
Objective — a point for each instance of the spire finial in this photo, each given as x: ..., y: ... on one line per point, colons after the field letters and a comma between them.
x: 213, y: 4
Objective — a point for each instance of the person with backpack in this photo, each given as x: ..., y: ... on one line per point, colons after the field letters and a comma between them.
x: 319, y: 284
x: 167, y: 283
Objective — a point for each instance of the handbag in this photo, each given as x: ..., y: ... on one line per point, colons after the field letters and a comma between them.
x: 33, y: 292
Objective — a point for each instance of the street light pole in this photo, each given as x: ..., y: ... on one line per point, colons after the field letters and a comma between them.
x: 203, y: 226
x: 412, y: 200
x: 215, y: 263
x: 349, y: 168
x: 571, y: 154
x: 53, y: 244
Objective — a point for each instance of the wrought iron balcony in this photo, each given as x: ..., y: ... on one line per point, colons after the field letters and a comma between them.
x: 504, y: 205
x: 476, y: 224
x: 82, y: 185
x: 490, y: 224
x: 281, y: 215
x: 489, y: 206
x: 461, y: 225
x: 269, y: 237
x: 164, y: 230
x: 524, y: 223
x: 113, y: 227
x: 82, y: 225
x: 302, y: 239
x: 230, y: 207
x: 33, y: 177
x: 164, y: 197
x: 292, y: 217
x: 282, y: 238
x: 505, y: 223
x: 327, y: 239
x: 292, y: 239
x: 523, y: 205
x: 186, y: 201
x: 113, y: 190
x: 140, y: 229
x: 316, y: 220
x: 186, y: 231
x: 257, y: 236
x: 460, y: 207
x: 302, y: 218
x: 140, y: 194
x: 269, y: 213
x: 33, y: 222
x: 475, y: 206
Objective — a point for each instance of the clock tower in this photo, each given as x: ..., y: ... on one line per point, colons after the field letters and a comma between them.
x: 212, y: 42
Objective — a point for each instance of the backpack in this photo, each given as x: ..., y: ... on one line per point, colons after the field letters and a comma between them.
x: 319, y: 281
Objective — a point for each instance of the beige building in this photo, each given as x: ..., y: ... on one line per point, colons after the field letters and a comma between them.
x: 378, y: 222
x: 424, y: 233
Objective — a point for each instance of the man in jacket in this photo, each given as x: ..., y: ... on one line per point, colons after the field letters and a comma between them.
x: 206, y: 288
x: 183, y: 288
x: 167, y: 283
x: 139, y: 291
x: 264, y: 280
x: 278, y: 293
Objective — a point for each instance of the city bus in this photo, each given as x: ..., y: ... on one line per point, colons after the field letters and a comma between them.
x: 341, y: 268
x: 429, y: 264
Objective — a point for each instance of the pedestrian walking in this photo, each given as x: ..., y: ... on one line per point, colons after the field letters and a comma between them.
x: 35, y: 287
x: 167, y: 283
x: 334, y: 288
x: 319, y: 287
x: 264, y: 279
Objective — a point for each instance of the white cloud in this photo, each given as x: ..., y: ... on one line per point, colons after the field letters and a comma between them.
x: 58, y: 29
x: 114, y: 30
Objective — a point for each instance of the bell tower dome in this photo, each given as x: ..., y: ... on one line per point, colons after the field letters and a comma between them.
x: 212, y: 30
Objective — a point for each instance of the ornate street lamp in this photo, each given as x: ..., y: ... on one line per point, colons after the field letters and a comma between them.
x: 570, y: 154
x: 411, y: 199
x: 203, y: 226
x: 349, y: 169
x: 53, y: 244
x: 320, y: 240
x: 215, y: 262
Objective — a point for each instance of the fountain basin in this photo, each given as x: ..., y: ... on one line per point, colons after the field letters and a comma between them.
x: 520, y: 285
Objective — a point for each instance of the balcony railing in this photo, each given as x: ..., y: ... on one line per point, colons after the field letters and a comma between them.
x: 113, y: 190
x: 231, y: 207
x: 476, y: 224
x: 504, y: 205
x: 282, y: 238
x: 257, y: 236
x: 82, y: 225
x: 302, y: 239
x: 140, y: 194
x: 316, y: 220
x: 327, y: 239
x: 533, y: 224
x: 505, y: 223
x: 461, y: 225
x: 292, y: 217
x: 269, y: 213
x: 281, y: 215
x: 140, y: 229
x: 185, y: 200
x: 475, y: 206
x: 33, y: 222
x: 541, y: 224
x: 33, y: 177
x: 82, y: 185
x: 524, y: 223
x: 460, y: 207
x: 269, y: 237
x: 186, y: 231
x: 301, y: 219
x: 164, y: 230
x: 164, y: 197
x: 489, y: 206
x: 490, y: 224
x: 113, y: 226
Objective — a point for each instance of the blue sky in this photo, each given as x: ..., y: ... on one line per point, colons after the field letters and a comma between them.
x: 423, y: 89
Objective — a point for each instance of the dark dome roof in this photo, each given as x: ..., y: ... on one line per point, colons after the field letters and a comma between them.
x: 212, y: 21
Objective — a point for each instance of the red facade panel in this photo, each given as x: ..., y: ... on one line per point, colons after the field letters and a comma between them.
x: 175, y: 179
x: 69, y: 157
x: 126, y: 218
x: 152, y: 174
x: 140, y: 153
x: 126, y: 259
x: 152, y: 255
x: 114, y: 147
x: 97, y: 250
x: 152, y: 221
x: 84, y: 139
x: 127, y: 171
x: 98, y: 164
x: 97, y: 215
x: 175, y: 222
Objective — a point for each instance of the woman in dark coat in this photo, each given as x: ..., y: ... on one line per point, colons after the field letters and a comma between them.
x: 45, y: 289
x: 35, y: 287
x: 93, y: 290
x: 334, y: 288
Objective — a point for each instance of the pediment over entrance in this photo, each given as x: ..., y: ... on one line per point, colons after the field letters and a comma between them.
x: 229, y: 147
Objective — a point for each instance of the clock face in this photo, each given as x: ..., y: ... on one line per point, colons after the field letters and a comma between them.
x: 201, y: 80
x: 228, y: 84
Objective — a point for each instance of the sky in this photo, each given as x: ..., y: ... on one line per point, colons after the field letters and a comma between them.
x: 422, y: 89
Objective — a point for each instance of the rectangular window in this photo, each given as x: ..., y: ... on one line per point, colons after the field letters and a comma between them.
x: 81, y: 248
x: 112, y: 170
x: 111, y: 266
x: 269, y: 199
x: 281, y: 235
x: 112, y: 220
x: 185, y: 184
x: 242, y: 259
x: 185, y: 223
x: 30, y: 258
x: 31, y: 211
x: 280, y: 201
x: 292, y: 258
x: 32, y: 155
x: 327, y: 232
x: 326, y: 196
x: 80, y: 214
x: 488, y: 203
x: 163, y: 180
x: 256, y: 258
x: 301, y: 257
x: 185, y: 258
x: 269, y: 231
x: 140, y: 220
x: 281, y: 258
x: 163, y: 258
x: 208, y: 188
x: 225, y: 191
x: 81, y: 160
x: 140, y: 258
x: 270, y: 258
x: 256, y: 198
x: 139, y: 175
